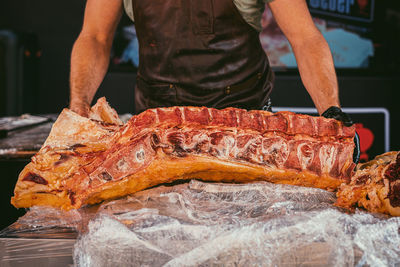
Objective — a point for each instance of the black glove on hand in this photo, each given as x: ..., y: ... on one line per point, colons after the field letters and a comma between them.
x: 336, y: 113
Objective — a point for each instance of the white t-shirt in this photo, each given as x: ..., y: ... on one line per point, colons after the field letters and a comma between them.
x: 251, y: 10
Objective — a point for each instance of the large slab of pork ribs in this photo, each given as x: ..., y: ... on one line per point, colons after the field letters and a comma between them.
x: 88, y: 160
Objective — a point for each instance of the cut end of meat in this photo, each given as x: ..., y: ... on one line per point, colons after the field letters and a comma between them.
x: 88, y: 160
x: 103, y: 113
x: 375, y: 186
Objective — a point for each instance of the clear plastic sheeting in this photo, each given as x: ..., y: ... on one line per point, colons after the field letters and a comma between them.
x: 210, y: 224
x: 204, y: 224
x: 48, y: 222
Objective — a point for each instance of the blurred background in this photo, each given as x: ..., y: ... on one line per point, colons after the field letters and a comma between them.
x: 36, y: 39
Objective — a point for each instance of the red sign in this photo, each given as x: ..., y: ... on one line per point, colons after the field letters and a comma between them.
x: 366, y: 140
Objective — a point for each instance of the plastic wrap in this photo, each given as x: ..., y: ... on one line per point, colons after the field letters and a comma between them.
x: 46, y: 222
x: 210, y: 224
x: 203, y: 224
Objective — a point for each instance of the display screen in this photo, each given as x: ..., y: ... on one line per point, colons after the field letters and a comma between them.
x: 350, y: 46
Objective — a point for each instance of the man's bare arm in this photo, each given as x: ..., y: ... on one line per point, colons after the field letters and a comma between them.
x: 91, y: 52
x: 311, y: 50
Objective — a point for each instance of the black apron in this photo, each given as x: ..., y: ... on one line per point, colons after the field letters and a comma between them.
x: 198, y: 53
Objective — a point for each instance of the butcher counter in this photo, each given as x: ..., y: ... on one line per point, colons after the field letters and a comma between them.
x: 202, y: 224
x: 193, y: 223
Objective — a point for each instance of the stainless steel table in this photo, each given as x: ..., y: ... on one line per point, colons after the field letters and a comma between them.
x: 36, y: 252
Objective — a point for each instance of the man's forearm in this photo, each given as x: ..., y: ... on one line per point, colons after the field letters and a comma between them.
x: 317, y: 72
x: 312, y: 53
x: 89, y: 63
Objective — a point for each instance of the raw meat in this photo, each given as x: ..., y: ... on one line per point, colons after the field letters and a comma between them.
x: 375, y: 186
x: 85, y: 161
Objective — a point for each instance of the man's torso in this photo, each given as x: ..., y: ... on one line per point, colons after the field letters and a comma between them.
x: 251, y: 11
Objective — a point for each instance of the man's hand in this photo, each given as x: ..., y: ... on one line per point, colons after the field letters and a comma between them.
x: 336, y: 113
x: 80, y: 107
